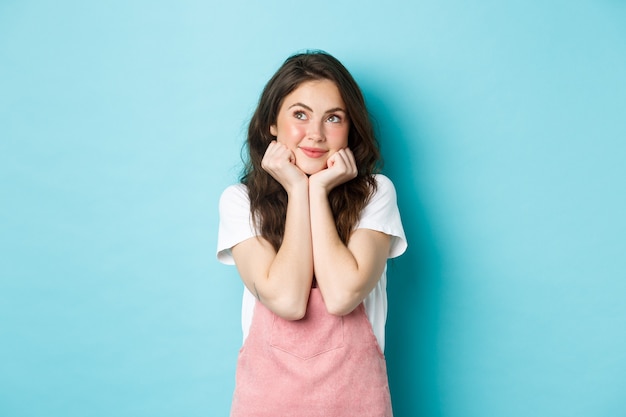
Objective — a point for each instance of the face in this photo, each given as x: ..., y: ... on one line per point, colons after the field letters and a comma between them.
x: 313, y: 123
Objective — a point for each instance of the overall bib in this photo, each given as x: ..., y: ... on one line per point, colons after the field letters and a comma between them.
x: 319, y: 366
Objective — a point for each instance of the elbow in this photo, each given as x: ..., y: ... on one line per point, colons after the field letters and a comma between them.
x: 292, y: 315
x: 290, y: 310
x: 288, y: 304
x: 341, y: 306
x: 340, y: 310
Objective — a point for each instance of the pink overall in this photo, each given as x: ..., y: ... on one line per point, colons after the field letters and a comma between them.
x: 320, y: 366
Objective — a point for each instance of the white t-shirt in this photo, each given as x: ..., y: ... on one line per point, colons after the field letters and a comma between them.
x: 381, y: 214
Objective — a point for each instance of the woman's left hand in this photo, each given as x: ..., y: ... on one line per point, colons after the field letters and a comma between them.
x: 341, y: 168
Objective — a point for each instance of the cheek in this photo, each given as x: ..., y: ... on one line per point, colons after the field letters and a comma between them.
x: 292, y: 132
x: 290, y: 135
x: 339, y: 138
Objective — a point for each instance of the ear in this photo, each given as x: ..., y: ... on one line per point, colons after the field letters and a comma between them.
x: 273, y: 130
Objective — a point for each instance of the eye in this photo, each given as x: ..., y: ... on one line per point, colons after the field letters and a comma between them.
x: 333, y: 118
x: 300, y: 115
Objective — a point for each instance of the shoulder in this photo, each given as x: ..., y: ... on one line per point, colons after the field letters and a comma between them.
x: 234, y: 203
x: 234, y: 194
x: 383, y: 181
x: 238, y: 189
x: 235, y: 224
x: 382, y: 214
x: 383, y: 200
x: 385, y: 190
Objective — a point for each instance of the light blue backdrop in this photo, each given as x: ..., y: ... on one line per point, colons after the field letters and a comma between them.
x: 503, y: 125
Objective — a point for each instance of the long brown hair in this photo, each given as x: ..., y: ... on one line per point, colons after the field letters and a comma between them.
x: 268, y: 199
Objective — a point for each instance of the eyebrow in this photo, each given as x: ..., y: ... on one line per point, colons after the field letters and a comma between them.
x: 333, y: 110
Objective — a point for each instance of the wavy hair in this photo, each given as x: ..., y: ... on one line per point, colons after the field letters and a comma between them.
x: 268, y: 199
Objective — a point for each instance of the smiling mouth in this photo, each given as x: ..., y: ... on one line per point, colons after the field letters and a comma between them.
x: 313, y: 152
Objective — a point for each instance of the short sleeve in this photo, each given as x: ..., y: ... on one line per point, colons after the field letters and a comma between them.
x: 382, y: 214
x: 235, y: 223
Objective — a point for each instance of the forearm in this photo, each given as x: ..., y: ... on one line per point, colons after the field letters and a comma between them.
x: 339, y: 276
x: 289, y: 276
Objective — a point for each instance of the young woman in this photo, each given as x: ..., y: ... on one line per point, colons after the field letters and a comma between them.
x: 310, y: 228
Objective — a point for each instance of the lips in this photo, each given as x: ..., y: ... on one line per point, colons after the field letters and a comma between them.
x: 313, y: 152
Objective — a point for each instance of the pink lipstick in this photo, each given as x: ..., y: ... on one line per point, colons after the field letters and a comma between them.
x: 313, y: 152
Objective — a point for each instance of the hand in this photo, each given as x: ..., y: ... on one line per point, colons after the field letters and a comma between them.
x: 341, y: 168
x: 280, y: 163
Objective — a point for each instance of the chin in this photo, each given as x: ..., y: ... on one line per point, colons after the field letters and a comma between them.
x: 310, y: 170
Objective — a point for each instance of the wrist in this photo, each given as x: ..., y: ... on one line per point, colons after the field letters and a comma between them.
x: 317, y: 190
x: 299, y: 188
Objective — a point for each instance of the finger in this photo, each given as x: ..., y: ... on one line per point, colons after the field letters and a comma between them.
x: 334, y: 159
x: 271, y: 157
x: 343, y: 159
x: 277, y: 152
x: 351, y: 160
x: 270, y: 149
x: 345, y: 163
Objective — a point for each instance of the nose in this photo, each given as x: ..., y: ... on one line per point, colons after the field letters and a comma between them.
x: 316, y: 131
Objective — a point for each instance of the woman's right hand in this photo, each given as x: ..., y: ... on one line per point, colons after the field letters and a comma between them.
x: 280, y: 163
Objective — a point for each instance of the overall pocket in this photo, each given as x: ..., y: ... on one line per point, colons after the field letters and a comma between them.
x: 317, y: 333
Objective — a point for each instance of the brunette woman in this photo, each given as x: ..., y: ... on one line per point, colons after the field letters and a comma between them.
x: 310, y: 228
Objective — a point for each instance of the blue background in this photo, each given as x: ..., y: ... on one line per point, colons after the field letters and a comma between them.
x: 503, y: 125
